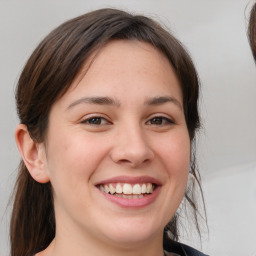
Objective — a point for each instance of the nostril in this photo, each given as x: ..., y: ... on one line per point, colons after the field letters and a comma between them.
x: 124, y: 161
x: 133, y: 162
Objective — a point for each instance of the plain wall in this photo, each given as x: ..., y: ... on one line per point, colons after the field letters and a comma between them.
x: 214, y: 32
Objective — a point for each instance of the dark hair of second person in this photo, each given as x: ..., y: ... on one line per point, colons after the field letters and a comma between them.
x: 252, y: 30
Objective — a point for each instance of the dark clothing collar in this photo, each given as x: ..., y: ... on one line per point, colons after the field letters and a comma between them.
x: 181, y: 249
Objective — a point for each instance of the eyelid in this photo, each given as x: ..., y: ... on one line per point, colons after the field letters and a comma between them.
x: 168, y: 119
x: 88, y: 117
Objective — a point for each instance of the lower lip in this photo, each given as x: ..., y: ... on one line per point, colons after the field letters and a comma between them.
x: 132, y: 203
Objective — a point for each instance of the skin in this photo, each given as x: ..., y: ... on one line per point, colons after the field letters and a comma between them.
x: 131, y: 137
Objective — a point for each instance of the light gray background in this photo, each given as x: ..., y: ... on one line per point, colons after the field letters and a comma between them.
x: 215, y: 34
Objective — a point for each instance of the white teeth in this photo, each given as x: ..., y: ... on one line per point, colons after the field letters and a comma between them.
x: 119, y: 189
x: 127, y: 189
x: 129, y: 196
x: 112, y: 189
x: 143, y: 189
x: 137, y: 196
x: 136, y: 190
x: 149, y: 188
x: 106, y: 188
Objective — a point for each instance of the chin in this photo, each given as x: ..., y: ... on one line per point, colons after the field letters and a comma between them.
x: 134, y: 233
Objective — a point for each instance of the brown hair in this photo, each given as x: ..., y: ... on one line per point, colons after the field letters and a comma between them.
x: 252, y: 31
x: 46, y: 77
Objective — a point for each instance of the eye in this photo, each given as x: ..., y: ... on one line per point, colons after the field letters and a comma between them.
x: 160, y: 120
x: 96, y: 120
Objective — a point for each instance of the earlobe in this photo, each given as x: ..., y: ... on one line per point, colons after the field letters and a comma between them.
x: 32, y: 153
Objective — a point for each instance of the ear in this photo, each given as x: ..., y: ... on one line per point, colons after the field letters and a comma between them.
x: 33, y: 154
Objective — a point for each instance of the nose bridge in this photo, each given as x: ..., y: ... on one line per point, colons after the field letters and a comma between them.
x: 131, y: 146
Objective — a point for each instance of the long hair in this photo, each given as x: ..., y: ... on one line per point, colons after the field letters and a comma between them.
x: 49, y: 73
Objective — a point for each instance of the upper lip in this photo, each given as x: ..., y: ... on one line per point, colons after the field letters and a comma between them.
x: 130, y: 180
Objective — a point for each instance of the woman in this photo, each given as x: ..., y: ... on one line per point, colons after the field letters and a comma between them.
x: 108, y: 111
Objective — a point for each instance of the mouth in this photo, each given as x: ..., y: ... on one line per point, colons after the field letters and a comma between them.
x: 128, y: 190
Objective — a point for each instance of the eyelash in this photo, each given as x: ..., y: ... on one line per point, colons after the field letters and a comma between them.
x: 94, y: 121
x: 163, y: 121
x: 97, y: 121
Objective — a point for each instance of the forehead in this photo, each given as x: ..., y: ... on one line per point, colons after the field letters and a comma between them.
x: 123, y: 64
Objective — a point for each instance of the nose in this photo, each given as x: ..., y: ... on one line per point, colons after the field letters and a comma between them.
x: 131, y: 148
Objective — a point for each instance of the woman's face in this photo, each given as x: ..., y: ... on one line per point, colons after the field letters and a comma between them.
x: 117, y: 147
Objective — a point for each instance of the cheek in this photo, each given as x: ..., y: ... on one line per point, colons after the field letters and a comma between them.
x: 71, y: 162
x: 174, y: 153
x: 74, y: 157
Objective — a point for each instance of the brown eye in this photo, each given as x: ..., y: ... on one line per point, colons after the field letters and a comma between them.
x: 95, y: 121
x: 157, y: 120
x: 160, y: 121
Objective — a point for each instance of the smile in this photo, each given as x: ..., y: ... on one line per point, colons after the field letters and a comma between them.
x: 130, y: 192
x: 127, y: 190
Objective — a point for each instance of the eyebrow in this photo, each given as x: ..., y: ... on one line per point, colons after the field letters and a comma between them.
x: 163, y: 99
x: 95, y: 100
x: 112, y: 102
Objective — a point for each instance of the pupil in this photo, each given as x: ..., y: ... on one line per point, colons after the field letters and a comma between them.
x: 157, y: 121
x: 95, y: 121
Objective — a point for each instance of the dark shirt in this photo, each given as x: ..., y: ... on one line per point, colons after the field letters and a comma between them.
x: 179, y: 249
